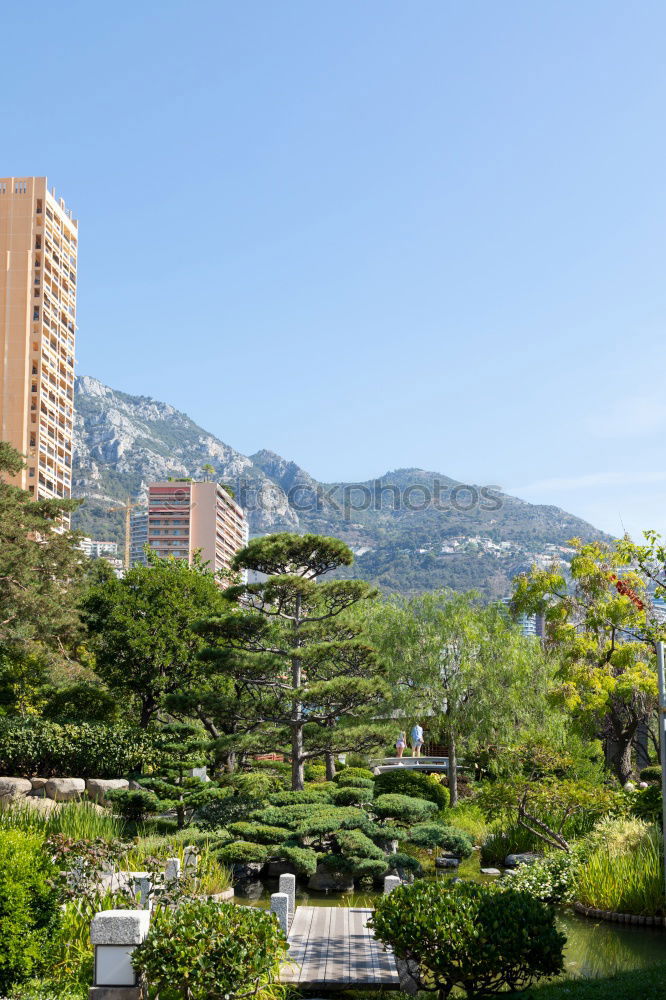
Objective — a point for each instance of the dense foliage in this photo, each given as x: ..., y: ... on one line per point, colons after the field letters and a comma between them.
x: 407, y: 782
x: 29, y: 906
x: 209, y: 951
x: 141, y: 629
x: 38, y: 746
x: 470, y: 936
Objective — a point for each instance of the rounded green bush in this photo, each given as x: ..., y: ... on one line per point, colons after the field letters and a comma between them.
x: 259, y: 833
x: 403, y: 781
x: 315, y: 772
x: 447, y: 837
x: 351, y: 796
x: 353, y: 772
x: 29, y: 906
x: 134, y: 805
x: 201, y: 950
x: 302, y: 859
x: 403, y: 864
x: 403, y: 808
x: 344, y: 781
x: 651, y: 774
x: 311, y: 797
x: 242, y: 852
x: 647, y: 804
x: 470, y: 936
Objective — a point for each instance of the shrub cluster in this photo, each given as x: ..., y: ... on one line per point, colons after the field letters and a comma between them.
x: 86, y: 749
x: 29, y: 906
x: 200, y: 950
x: 470, y: 936
x: 408, y: 782
x: 447, y: 837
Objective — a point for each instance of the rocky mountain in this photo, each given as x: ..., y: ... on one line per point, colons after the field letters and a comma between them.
x: 411, y: 529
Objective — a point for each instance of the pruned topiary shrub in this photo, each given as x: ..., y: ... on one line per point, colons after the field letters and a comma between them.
x: 470, y: 936
x: 259, y: 833
x: 310, y: 797
x: 447, y: 837
x: 134, y: 805
x: 302, y: 859
x: 243, y: 852
x: 407, y: 782
x: 349, y: 781
x: 403, y: 808
x: 210, y: 951
x: 353, y: 772
x: 352, y: 796
x: 651, y: 774
x: 355, y: 843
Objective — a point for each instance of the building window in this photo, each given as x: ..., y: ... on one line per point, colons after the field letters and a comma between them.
x: 35, y: 313
x: 38, y: 242
x: 39, y: 206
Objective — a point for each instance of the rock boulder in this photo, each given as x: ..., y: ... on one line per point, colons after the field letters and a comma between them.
x: 515, y: 860
x: 65, y: 789
x: 14, y: 788
x: 97, y: 788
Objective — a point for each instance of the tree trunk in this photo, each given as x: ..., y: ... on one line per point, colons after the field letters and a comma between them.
x: 297, y: 776
x: 641, y: 744
x: 618, y: 758
x: 297, y: 770
x: 453, y: 770
x: 147, y: 711
x: 330, y: 766
x: 230, y: 762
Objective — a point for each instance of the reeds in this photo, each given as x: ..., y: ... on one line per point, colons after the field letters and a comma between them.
x: 77, y: 820
x: 625, y: 880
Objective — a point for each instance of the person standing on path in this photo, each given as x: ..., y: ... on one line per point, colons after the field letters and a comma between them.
x: 417, y: 739
x: 400, y: 744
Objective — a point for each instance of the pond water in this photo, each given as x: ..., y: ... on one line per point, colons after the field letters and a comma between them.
x: 593, y: 948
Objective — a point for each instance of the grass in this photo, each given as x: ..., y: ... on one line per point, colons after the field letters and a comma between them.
x: 641, y: 984
x: 78, y: 820
x: 626, y: 881
x: 468, y: 817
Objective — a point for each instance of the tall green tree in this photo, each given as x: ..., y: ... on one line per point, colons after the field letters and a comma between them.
x: 312, y: 679
x: 462, y: 669
x: 40, y: 566
x: 602, y: 625
x: 141, y: 629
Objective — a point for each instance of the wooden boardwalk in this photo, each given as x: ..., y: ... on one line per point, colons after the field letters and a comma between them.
x: 331, y: 946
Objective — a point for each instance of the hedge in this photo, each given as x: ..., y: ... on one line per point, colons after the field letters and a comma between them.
x: 86, y: 749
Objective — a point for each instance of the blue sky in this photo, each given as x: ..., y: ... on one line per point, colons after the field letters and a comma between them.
x: 370, y: 235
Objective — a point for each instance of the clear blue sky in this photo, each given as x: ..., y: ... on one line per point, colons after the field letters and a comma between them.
x: 370, y: 235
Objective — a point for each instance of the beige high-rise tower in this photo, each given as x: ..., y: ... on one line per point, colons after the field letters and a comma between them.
x: 38, y: 260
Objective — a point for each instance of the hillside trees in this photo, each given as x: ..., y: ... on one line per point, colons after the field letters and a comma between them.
x: 462, y: 668
x: 312, y: 679
x: 603, y: 629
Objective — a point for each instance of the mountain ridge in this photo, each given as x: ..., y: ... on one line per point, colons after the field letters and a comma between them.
x: 411, y: 529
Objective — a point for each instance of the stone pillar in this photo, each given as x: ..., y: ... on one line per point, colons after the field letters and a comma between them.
x: 172, y: 870
x: 190, y: 860
x: 280, y: 907
x: 391, y: 882
x: 142, y: 884
x: 288, y: 887
x: 115, y: 934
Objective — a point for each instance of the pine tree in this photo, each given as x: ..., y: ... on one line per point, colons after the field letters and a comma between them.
x: 40, y: 566
x: 288, y: 643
